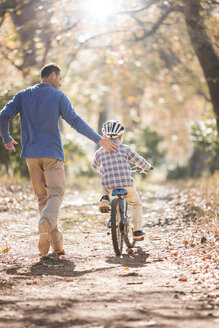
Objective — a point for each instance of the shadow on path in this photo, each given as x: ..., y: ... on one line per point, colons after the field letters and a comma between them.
x: 135, y: 260
x: 52, y: 265
x: 67, y: 313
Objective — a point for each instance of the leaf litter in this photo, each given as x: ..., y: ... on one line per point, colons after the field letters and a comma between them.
x: 177, y: 241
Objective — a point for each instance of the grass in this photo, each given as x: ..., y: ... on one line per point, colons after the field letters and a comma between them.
x: 16, y: 179
x: 204, y: 197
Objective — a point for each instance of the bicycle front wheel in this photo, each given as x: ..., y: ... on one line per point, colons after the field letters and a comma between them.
x: 117, y: 234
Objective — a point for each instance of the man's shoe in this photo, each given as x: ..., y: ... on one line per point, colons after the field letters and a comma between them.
x: 56, y: 240
x: 104, y: 206
x: 58, y: 251
x: 44, y: 241
x: 138, y: 235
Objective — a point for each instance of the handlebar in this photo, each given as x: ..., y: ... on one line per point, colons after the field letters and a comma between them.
x: 139, y: 170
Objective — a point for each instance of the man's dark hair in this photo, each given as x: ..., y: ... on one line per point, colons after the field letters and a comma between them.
x: 49, y: 68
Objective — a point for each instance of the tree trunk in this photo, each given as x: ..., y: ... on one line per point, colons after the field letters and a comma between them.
x: 204, y: 49
x: 26, y: 24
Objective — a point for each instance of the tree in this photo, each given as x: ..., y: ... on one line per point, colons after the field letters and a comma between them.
x: 147, y: 143
x: 23, y: 15
x: 194, y: 14
x: 139, y: 66
x: 34, y: 32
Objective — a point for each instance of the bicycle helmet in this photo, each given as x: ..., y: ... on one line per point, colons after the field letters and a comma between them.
x: 112, y: 129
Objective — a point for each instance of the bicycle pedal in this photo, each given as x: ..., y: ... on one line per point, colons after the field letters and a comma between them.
x: 139, y: 239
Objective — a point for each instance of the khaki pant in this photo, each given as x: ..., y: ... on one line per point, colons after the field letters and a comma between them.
x: 48, y: 180
x: 133, y: 200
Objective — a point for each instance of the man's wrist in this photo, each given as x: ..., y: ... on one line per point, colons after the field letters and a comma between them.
x: 6, y: 139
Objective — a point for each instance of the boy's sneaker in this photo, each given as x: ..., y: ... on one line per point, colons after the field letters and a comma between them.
x: 104, y: 206
x: 139, y: 234
x: 44, y: 241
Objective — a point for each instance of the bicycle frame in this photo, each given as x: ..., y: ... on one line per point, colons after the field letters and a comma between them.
x: 120, y: 194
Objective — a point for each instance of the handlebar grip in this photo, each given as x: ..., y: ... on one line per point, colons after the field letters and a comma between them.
x: 151, y: 168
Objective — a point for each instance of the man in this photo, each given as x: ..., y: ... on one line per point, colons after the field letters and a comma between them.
x: 40, y: 108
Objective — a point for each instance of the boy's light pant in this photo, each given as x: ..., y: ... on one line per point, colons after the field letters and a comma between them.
x: 132, y: 199
x: 47, y: 176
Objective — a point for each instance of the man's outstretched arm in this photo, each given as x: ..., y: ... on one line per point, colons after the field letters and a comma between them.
x: 9, y: 111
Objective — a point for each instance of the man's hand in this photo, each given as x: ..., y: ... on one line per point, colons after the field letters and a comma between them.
x: 10, y: 145
x: 108, y: 145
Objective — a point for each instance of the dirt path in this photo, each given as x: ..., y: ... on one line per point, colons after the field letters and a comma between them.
x: 166, y: 283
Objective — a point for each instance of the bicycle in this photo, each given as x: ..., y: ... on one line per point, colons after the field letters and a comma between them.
x: 121, y: 229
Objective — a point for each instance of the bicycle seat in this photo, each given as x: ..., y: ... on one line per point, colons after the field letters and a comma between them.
x: 116, y: 192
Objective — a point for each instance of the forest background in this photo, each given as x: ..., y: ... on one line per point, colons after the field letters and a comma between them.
x: 153, y: 64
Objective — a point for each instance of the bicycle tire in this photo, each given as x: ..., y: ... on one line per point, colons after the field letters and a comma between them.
x: 128, y: 232
x: 117, y: 235
x: 128, y: 238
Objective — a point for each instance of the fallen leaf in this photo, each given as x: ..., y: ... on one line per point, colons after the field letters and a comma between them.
x: 182, y: 279
x: 6, y: 249
x: 173, y: 254
x: 203, y: 240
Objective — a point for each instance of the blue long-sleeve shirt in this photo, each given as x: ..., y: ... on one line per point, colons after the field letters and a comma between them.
x: 40, y: 108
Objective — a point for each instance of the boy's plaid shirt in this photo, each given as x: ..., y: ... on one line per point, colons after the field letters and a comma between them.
x: 114, y: 168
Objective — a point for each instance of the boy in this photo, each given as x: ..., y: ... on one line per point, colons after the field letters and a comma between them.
x: 115, y: 172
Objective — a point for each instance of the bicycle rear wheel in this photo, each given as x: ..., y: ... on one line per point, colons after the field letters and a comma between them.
x: 128, y: 236
x: 117, y: 234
